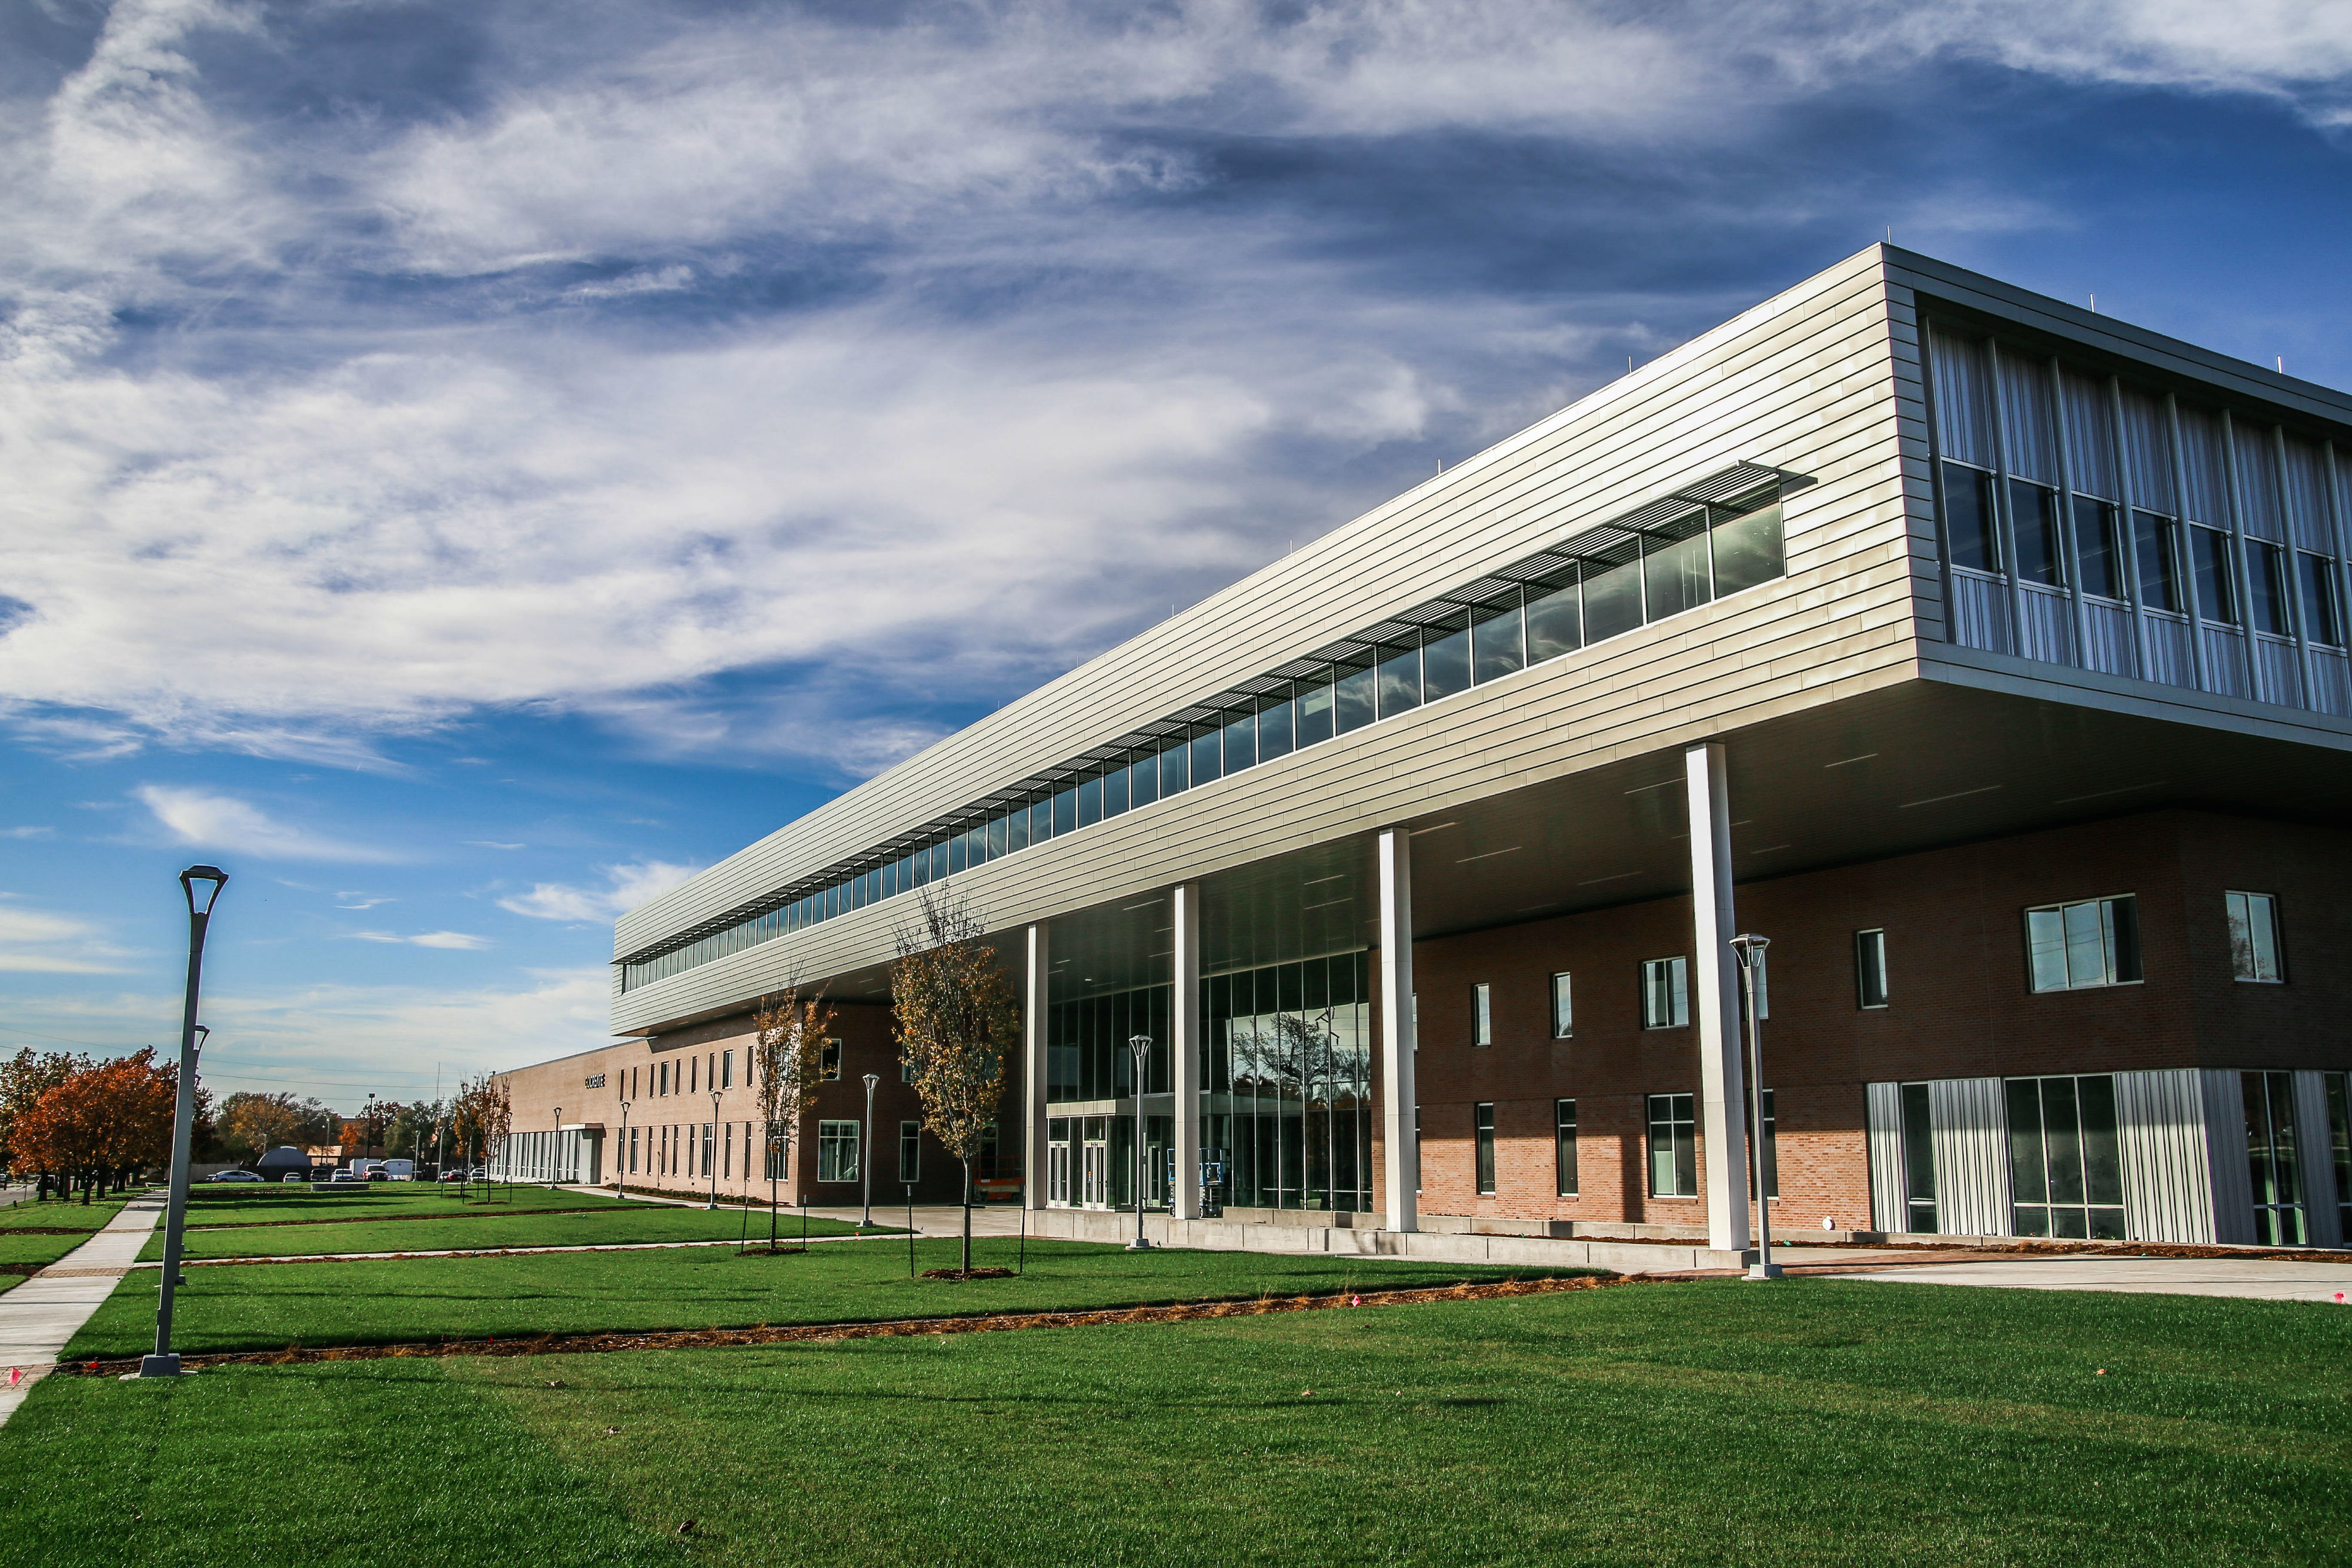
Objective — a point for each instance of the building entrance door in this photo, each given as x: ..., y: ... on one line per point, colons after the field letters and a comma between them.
x: 1096, y: 1174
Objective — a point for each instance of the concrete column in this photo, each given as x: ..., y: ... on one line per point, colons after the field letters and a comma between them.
x: 1184, y: 1044
x: 1716, y: 980
x: 1394, y: 853
x: 1034, y: 999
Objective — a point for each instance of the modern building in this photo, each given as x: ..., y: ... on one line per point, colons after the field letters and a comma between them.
x: 1984, y: 653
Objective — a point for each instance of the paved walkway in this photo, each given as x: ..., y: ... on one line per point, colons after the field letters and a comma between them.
x: 2256, y: 1279
x: 40, y: 1315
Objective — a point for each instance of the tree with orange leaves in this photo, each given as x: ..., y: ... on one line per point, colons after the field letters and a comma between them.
x: 104, y: 1122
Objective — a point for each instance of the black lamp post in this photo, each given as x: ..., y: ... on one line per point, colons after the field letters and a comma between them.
x: 1750, y: 950
x: 202, y: 884
x: 1141, y: 1046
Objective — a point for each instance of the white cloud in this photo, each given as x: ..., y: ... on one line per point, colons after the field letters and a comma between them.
x: 456, y: 940
x: 28, y: 833
x: 210, y: 822
x: 493, y: 844
x: 626, y: 886
x: 34, y: 941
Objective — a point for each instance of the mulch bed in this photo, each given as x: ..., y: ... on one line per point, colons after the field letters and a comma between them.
x: 397, y: 1219
x: 48, y: 1229
x: 967, y: 1273
x: 27, y: 1269
x: 974, y: 1322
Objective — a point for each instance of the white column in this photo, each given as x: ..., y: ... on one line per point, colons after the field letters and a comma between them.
x: 1033, y: 1069
x: 1184, y: 1044
x: 1714, y: 978
x: 1397, y: 1101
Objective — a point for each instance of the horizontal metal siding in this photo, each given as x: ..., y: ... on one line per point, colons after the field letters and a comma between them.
x: 1890, y: 1209
x: 1611, y: 450
x: 2160, y: 1139
x: 1969, y: 1117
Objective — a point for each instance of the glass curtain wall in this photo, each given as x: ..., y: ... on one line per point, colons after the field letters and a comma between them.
x: 2272, y: 1158
x: 2065, y: 1172
x: 1288, y: 1084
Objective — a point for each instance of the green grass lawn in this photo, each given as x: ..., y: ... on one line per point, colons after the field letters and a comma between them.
x: 255, y: 1203
x: 1814, y: 1422
x: 432, y: 1226
x: 267, y: 1306
x: 23, y: 1243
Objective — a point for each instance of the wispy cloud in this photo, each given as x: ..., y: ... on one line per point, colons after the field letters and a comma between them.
x: 28, y: 833
x: 35, y: 942
x: 625, y: 887
x: 458, y: 941
x: 493, y: 844
x: 211, y: 821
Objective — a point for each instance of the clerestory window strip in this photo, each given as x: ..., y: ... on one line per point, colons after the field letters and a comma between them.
x: 1717, y: 537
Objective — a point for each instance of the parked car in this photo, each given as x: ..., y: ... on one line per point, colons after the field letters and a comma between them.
x: 457, y: 1176
x: 232, y: 1175
x: 341, y: 1177
x: 296, y: 1177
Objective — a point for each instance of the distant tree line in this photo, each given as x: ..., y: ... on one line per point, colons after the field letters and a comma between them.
x: 86, y: 1126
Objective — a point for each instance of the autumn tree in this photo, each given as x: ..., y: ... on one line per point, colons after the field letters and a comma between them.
x: 104, y: 1122
x: 252, y: 1125
x: 24, y: 1079
x: 957, y: 1022
x: 482, y: 1117
x: 787, y: 1055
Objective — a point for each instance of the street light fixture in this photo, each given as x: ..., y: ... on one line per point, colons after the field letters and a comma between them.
x: 619, y: 1153
x: 1751, y: 949
x: 202, y: 884
x: 1141, y: 1045
x: 554, y: 1143
x: 711, y: 1135
x: 866, y: 1155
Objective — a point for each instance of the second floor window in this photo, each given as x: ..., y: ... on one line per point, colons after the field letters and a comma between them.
x: 1665, y: 993
x: 829, y: 1061
x: 1870, y: 969
x: 1563, y: 1007
x: 2073, y: 946
x: 2253, y: 937
x: 1481, y: 1015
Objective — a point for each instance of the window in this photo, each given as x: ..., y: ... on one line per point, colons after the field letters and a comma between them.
x: 906, y: 1070
x: 1919, y: 1159
x: 1485, y: 1131
x: 2253, y: 936
x: 727, y: 1155
x: 2323, y: 620
x: 1563, y: 1007
x: 1416, y: 1148
x: 910, y: 1153
x: 2064, y: 1174
x: 727, y: 1069
x: 2209, y: 554
x: 829, y: 1060
x: 1481, y: 1015
x: 2153, y: 545
x: 2040, y: 555
x: 2271, y: 1154
x: 2092, y: 943
x: 1563, y: 1137
x: 633, y: 1150
x: 836, y: 1151
x: 1969, y: 518
x: 2269, y: 589
x: 2094, y: 547
x: 710, y: 1148
x: 1870, y: 969
x: 1673, y: 1145
x: 662, y: 1077
x: 1665, y: 993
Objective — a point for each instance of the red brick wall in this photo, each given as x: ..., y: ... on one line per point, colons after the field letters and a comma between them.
x: 1960, y: 1004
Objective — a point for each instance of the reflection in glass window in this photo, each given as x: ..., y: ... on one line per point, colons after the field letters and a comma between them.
x: 836, y: 1151
x: 1563, y: 1123
x: 2217, y: 581
x: 1143, y: 780
x: 1969, y: 518
x: 2323, y: 620
x: 2268, y: 589
x: 2271, y: 1155
x: 1115, y: 787
x: 1290, y: 1052
x: 2152, y: 550
x: 1399, y: 680
x: 1919, y: 1158
x: 2040, y: 556
x: 1612, y: 596
x: 1483, y: 1124
x: 2253, y: 936
x: 1665, y: 993
x: 1175, y: 767
x: 1354, y: 704
x: 1207, y: 761
x: 1275, y: 736
x: 1445, y: 660
x: 2092, y: 943
x: 2066, y: 1177
x: 1674, y: 1146
x: 1089, y: 802
x: 1314, y: 712
x: 1498, y: 640
x: 1870, y: 969
x: 1675, y: 573
x: 1241, y: 743
x: 2094, y: 547
x: 1554, y: 618
x: 1065, y: 811
x: 1748, y: 551
x: 1563, y: 1005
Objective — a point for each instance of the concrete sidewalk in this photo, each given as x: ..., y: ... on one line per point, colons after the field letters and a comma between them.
x: 40, y: 1315
x: 2253, y: 1279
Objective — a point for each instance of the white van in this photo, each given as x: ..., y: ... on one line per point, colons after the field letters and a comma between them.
x: 398, y: 1170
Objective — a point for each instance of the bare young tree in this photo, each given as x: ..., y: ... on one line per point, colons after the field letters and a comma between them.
x: 786, y: 1061
x: 957, y: 1022
x: 483, y: 1118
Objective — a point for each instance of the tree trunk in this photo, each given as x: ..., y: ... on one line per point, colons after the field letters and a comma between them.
x: 967, y: 1216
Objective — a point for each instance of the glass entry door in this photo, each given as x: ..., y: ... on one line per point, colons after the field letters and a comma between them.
x: 1095, y: 1172
x: 1057, y: 1161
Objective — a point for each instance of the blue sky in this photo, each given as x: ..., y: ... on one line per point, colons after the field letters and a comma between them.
x: 463, y: 467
